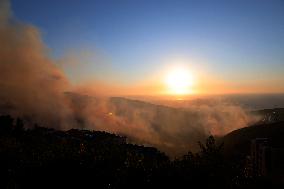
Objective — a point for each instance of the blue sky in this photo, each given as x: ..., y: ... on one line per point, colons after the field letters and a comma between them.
x: 238, y: 40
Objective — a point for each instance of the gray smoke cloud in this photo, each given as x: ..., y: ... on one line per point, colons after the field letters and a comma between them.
x: 34, y: 88
x: 173, y: 130
x: 31, y: 85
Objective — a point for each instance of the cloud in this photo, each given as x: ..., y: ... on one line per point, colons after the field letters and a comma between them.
x: 31, y: 84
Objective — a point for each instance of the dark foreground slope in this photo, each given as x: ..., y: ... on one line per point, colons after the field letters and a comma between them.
x: 260, y: 148
x: 48, y: 158
x: 42, y: 157
x: 238, y: 142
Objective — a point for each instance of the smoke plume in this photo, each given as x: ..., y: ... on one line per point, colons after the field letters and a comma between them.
x: 173, y: 130
x: 31, y: 85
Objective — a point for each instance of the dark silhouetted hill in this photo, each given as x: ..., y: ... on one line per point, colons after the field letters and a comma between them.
x: 47, y: 158
x: 238, y: 141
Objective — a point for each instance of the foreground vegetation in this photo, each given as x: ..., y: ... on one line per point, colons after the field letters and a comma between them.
x: 47, y: 158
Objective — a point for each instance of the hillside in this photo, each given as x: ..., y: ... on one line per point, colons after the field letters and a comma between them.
x: 155, y: 125
x: 238, y: 141
x: 48, y: 158
x: 172, y: 130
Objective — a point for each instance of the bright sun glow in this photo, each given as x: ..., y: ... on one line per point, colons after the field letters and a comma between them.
x: 179, y: 81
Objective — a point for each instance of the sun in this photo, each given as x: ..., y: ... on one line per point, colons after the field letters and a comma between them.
x: 179, y: 81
